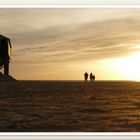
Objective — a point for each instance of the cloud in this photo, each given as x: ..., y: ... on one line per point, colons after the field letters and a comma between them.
x: 87, y: 41
x: 70, y: 35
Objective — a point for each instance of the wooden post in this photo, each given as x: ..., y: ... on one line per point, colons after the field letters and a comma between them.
x: 6, y: 68
x: 6, y: 57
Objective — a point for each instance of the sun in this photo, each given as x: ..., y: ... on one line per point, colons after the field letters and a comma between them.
x: 129, y: 66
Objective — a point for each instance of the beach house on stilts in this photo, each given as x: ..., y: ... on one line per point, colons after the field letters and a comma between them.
x: 5, y: 52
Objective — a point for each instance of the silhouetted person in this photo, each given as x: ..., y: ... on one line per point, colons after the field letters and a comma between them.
x: 91, y: 77
x: 86, y: 76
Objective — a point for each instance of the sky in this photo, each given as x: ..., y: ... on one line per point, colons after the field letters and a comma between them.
x: 64, y: 43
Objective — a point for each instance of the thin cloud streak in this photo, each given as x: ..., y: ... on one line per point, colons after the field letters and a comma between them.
x: 91, y: 41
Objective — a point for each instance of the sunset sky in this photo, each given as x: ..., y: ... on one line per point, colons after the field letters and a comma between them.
x: 64, y: 43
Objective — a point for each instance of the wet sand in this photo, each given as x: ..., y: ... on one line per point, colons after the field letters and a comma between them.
x: 69, y: 106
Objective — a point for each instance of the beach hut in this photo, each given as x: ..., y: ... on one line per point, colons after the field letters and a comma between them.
x: 5, y: 52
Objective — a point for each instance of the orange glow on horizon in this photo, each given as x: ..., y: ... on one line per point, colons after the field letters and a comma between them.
x: 126, y: 68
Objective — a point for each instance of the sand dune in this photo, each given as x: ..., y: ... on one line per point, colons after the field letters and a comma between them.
x: 60, y: 106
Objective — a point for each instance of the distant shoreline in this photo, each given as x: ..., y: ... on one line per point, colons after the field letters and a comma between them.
x: 80, y: 81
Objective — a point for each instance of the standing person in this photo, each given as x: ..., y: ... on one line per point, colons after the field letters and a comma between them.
x: 91, y: 77
x: 86, y: 76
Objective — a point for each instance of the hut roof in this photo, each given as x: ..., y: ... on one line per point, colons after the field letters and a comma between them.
x: 4, y: 37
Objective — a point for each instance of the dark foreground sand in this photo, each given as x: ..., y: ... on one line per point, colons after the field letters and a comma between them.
x: 48, y: 106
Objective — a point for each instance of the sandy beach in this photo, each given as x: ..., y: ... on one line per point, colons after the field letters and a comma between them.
x: 69, y: 106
